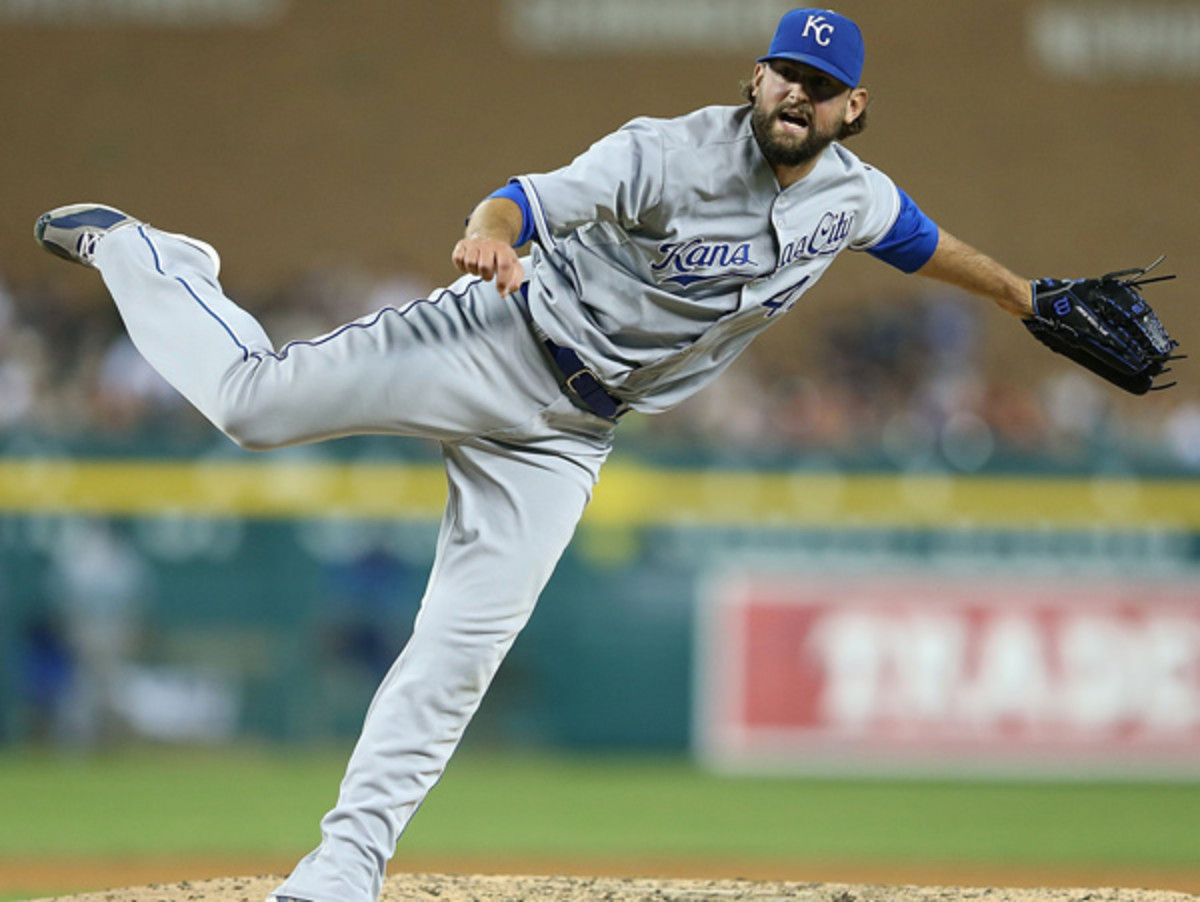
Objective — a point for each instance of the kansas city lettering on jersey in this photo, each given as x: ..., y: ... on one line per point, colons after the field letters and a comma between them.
x: 687, y: 262
x: 830, y: 236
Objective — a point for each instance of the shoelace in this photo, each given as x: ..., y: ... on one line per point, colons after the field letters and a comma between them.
x: 85, y: 247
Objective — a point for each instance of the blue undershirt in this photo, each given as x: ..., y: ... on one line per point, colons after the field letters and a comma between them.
x: 911, y: 240
x: 908, y: 245
x: 514, y: 192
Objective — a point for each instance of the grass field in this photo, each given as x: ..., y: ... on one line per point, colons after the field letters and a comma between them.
x: 243, y: 803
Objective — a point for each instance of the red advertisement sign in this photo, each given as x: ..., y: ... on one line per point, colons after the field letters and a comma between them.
x: 937, y: 675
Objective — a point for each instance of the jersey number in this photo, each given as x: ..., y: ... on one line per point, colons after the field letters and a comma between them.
x: 785, y: 300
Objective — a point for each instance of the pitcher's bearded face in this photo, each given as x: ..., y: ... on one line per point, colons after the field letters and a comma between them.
x: 798, y: 111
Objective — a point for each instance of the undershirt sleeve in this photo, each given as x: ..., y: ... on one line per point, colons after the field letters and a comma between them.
x: 911, y: 240
x: 514, y: 192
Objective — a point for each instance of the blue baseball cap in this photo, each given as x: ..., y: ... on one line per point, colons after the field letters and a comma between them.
x: 823, y: 39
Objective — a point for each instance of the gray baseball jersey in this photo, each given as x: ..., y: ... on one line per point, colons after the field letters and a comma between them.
x: 662, y: 251
x: 667, y: 247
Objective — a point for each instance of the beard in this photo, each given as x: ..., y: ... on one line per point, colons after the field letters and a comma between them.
x: 785, y: 150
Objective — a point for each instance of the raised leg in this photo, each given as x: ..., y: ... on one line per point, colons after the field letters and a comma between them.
x: 459, y: 363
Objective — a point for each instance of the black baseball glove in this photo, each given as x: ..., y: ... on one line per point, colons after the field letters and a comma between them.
x: 1105, y: 325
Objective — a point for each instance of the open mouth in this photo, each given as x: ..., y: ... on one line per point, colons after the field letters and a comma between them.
x: 794, y: 119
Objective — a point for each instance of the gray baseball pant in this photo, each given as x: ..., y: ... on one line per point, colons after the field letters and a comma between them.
x: 462, y: 367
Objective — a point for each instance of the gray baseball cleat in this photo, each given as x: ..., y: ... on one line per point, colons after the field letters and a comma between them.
x: 72, y: 232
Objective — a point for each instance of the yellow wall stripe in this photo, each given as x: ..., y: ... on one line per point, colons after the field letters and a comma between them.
x: 628, y: 495
x: 888, y: 500
x: 275, y: 489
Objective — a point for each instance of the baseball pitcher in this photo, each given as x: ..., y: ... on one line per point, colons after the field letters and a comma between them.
x: 655, y: 258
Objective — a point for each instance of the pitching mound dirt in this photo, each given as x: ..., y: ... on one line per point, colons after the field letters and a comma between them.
x: 444, y: 888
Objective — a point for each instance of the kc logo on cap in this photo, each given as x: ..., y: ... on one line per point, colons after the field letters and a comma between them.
x: 822, y: 30
x: 822, y: 39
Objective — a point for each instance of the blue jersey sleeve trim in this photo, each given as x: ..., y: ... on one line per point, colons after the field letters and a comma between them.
x: 911, y: 241
x: 514, y: 192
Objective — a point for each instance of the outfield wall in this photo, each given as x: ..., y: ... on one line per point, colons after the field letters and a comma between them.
x: 264, y: 595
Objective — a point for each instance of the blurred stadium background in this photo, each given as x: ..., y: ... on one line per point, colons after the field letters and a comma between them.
x: 913, y: 542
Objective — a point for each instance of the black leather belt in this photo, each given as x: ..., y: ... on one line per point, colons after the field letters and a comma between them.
x: 583, y: 384
x: 579, y: 381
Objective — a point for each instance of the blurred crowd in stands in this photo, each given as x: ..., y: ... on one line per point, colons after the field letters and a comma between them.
x: 913, y: 382
x: 901, y: 382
